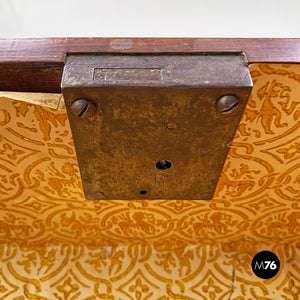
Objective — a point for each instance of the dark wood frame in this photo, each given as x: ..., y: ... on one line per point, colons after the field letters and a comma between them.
x: 36, y: 65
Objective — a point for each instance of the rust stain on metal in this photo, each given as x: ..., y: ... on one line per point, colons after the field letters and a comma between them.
x: 130, y: 148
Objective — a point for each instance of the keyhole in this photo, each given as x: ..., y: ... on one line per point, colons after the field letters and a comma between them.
x: 163, y: 165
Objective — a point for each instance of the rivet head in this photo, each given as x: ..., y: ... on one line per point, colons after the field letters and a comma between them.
x: 171, y: 125
x: 83, y: 108
x: 227, y: 104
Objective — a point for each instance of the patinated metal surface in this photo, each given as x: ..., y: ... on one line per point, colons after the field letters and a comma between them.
x: 157, y: 132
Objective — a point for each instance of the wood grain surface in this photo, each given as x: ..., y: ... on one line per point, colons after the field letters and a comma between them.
x: 35, y: 65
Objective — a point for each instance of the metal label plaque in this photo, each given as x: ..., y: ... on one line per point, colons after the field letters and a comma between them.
x: 151, y: 126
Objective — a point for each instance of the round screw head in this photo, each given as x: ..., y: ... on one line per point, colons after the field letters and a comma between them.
x: 83, y: 108
x: 227, y: 104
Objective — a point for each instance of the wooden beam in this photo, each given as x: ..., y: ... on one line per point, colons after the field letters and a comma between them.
x: 36, y: 65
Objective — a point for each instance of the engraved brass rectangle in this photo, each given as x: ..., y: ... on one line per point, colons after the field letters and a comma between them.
x: 156, y: 133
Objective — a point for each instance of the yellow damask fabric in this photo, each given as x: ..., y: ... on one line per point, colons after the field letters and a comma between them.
x: 54, y: 244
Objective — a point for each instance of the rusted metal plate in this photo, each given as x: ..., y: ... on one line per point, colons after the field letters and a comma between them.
x: 154, y: 126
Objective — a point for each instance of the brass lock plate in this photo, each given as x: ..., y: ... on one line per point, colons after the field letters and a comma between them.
x: 154, y: 126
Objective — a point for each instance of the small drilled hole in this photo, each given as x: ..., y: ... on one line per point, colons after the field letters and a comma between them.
x: 99, y: 194
x: 163, y: 165
x: 143, y: 192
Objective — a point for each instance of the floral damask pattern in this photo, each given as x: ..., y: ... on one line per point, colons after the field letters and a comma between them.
x: 54, y: 244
